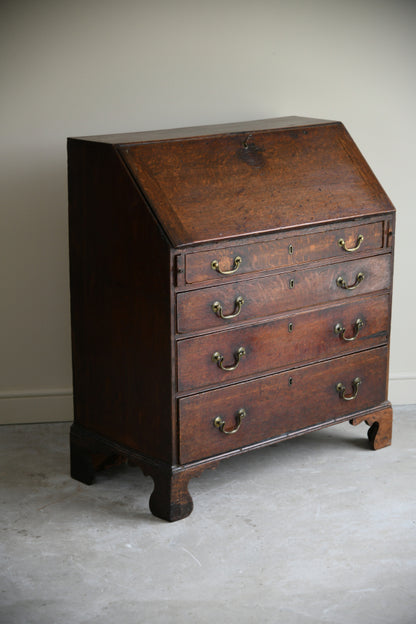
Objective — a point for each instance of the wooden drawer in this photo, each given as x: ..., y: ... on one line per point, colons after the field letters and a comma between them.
x: 280, y: 404
x: 282, y: 252
x: 282, y: 343
x: 281, y: 292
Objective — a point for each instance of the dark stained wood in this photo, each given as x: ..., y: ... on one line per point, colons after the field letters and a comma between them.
x: 215, y: 188
x: 283, y: 252
x: 272, y: 294
x: 91, y: 454
x: 120, y: 272
x: 148, y: 213
x: 170, y: 499
x: 273, y: 345
x: 276, y: 406
x: 82, y: 462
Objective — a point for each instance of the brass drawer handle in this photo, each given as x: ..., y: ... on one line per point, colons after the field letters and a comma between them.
x: 215, y: 266
x: 342, y: 243
x: 343, y: 284
x: 218, y: 358
x: 220, y: 423
x: 341, y: 390
x: 238, y: 304
x: 340, y: 330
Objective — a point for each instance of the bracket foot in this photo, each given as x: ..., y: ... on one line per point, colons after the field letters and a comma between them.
x: 380, y: 423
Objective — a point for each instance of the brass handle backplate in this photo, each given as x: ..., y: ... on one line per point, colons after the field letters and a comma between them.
x: 342, y: 243
x: 215, y: 266
x: 220, y: 422
x: 340, y: 330
x: 238, y: 304
x: 341, y: 389
x: 219, y: 359
x: 343, y: 284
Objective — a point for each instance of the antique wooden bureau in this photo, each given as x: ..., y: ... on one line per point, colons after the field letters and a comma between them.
x: 230, y: 288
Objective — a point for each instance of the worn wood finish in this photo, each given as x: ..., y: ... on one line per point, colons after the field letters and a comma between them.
x: 276, y: 293
x: 148, y: 213
x: 254, y: 182
x: 282, y: 343
x: 284, y: 251
x: 276, y: 403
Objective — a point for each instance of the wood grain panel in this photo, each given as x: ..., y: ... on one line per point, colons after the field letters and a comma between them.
x: 218, y: 187
x: 282, y: 343
x: 280, y: 404
x: 121, y: 348
x: 272, y: 294
x: 283, y: 252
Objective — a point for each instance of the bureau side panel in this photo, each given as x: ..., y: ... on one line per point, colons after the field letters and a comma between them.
x: 120, y: 305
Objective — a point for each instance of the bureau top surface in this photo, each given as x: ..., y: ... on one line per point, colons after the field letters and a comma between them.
x: 221, y: 182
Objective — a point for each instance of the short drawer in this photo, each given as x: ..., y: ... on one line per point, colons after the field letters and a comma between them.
x: 302, y: 337
x: 198, y: 310
x: 225, y: 262
x: 280, y: 404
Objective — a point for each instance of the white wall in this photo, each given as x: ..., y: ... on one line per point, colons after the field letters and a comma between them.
x: 90, y: 67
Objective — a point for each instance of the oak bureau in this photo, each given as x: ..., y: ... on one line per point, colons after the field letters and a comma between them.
x: 230, y: 288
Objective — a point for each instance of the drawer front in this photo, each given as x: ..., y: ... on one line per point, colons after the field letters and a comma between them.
x: 280, y: 293
x: 280, y: 404
x: 292, y: 340
x: 282, y: 252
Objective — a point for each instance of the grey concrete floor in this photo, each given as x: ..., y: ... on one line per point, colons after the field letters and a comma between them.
x: 313, y: 530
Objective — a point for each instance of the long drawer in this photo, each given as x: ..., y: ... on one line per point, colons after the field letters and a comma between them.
x: 280, y: 404
x: 284, y: 342
x: 283, y: 251
x: 198, y: 310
